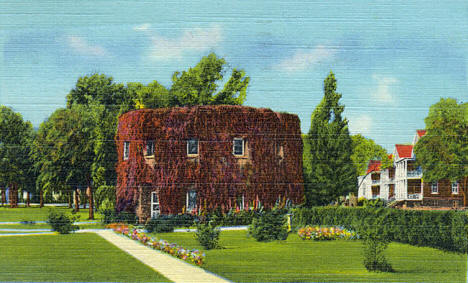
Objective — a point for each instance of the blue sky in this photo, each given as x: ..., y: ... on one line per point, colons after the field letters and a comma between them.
x: 392, y: 59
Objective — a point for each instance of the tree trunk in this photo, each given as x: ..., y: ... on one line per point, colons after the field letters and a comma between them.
x: 77, y: 200
x: 28, y: 199
x: 41, y: 199
x: 70, y: 195
x: 3, y: 193
x: 89, y: 192
x: 13, y: 196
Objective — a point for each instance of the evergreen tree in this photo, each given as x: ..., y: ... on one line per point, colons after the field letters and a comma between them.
x: 331, y: 172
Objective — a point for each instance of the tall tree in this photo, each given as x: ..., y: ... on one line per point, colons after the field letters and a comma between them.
x: 15, y: 145
x: 199, y: 85
x: 332, y: 172
x: 366, y: 149
x: 64, y: 151
x: 443, y: 151
x: 103, y: 99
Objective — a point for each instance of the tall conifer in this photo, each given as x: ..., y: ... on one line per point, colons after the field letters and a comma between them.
x: 331, y: 172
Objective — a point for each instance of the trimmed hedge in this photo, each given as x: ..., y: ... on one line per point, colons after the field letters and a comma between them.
x: 167, y: 223
x: 233, y: 218
x: 111, y: 216
x: 445, y: 230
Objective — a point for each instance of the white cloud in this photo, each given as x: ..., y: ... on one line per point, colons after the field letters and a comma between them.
x: 83, y: 47
x: 384, y: 90
x: 361, y: 124
x: 303, y: 59
x: 195, y: 39
x: 142, y: 27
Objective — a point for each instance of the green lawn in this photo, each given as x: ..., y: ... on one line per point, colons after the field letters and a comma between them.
x: 71, y: 258
x: 295, y: 260
x: 39, y: 214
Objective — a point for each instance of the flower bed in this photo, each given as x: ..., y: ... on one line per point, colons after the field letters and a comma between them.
x: 325, y: 233
x: 192, y: 256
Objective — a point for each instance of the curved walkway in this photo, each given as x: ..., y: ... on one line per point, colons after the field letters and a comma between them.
x: 170, y: 267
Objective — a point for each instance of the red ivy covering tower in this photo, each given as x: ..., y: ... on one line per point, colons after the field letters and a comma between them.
x: 270, y: 168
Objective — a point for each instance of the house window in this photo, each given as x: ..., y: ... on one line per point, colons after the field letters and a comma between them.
x: 454, y: 187
x: 149, y: 148
x: 238, y: 146
x: 155, y: 210
x: 434, y: 188
x: 192, y: 147
x: 126, y: 152
x: 240, y: 202
x: 191, y: 202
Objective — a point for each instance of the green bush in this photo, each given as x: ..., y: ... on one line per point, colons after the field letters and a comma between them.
x: 161, y: 224
x: 374, y: 257
x: 237, y: 218
x: 111, y: 216
x: 184, y: 220
x: 378, y: 202
x: 445, y: 230
x: 105, y: 197
x: 207, y: 235
x: 270, y: 226
x: 61, y: 222
x: 375, y: 241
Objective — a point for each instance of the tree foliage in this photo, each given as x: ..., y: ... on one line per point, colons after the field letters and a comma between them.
x: 366, y: 149
x: 443, y: 151
x: 199, y: 85
x: 332, y: 173
x: 15, y: 145
x: 64, y: 150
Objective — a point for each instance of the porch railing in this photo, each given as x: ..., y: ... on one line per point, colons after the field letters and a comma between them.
x: 414, y: 173
x: 414, y: 196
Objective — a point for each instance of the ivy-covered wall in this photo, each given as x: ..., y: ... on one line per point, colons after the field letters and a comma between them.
x: 271, y: 167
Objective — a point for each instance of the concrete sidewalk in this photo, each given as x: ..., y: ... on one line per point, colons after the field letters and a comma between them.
x: 172, y: 268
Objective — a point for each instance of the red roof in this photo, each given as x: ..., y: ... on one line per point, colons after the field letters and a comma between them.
x: 404, y: 150
x: 374, y: 165
x: 421, y: 132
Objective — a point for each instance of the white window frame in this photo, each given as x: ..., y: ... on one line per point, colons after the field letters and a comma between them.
x: 234, y: 146
x: 154, y: 202
x: 455, y: 185
x: 242, y: 202
x: 126, y: 150
x: 188, y: 147
x: 149, y: 142
x: 187, y: 201
x: 434, y: 188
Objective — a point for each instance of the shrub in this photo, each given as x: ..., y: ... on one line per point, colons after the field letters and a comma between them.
x: 375, y: 241
x: 207, y: 235
x: 241, y: 217
x: 269, y: 226
x: 105, y: 197
x: 161, y: 224
x: 378, y: 202
x: 111, y: 216
x: 184, y: 220
x: 61, y: 222
x: 374, y: 258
